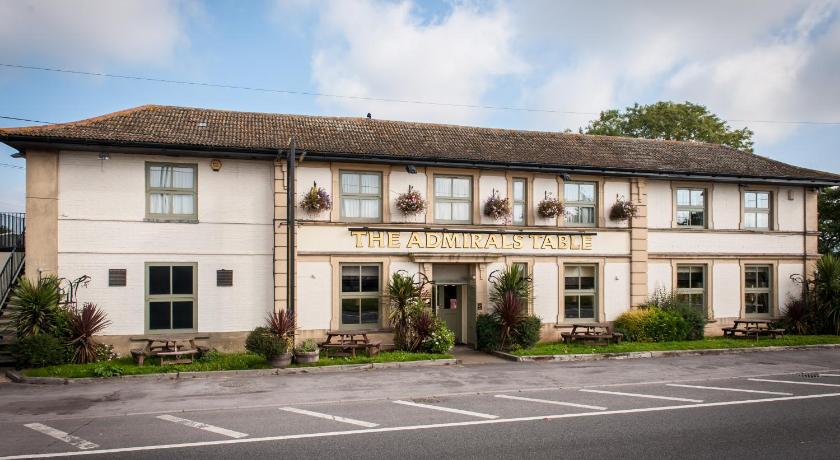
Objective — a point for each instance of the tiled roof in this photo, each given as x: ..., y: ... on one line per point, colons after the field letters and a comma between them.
x: 192, y: 128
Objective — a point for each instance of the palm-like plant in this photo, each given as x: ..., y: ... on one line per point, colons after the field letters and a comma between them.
x: 827, y: 286
x: 512, y: 279
x: 510, y: 312
x: 423, y: 324
x: 282, y: 324
x: 84, y: 323
x: 401, y: 292
x: 37, y: 304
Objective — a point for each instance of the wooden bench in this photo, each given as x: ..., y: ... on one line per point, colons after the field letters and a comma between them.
x: 138, y: 355
x: 177, y: 356
x: 592, y: 332
x: 371, y: 348
x: 752, y: 328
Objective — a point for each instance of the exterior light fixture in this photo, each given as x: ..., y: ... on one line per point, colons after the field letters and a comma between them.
x: 410, y: 169
x: 104, y: 156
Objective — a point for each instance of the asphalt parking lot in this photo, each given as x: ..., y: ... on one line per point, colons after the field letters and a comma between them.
x: 685, y: 417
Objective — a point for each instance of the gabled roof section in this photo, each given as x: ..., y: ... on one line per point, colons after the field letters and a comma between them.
x: 192, y: 128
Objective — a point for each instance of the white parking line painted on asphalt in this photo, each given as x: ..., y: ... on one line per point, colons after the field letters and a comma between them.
x: 447, y: 409
x: 638, y: 395
x: 392, y: 429
x: 740, y: 390
x: 829, y: 375
x: 548, y: 401
x: 330, y: 417
x: 202, y: 426
x: 819, y: 384
x: 62, y: 436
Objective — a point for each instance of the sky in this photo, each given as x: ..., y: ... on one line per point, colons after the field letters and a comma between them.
x: 759, y: 63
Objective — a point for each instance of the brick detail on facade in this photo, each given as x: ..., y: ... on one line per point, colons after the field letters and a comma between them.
x: 638, y: 243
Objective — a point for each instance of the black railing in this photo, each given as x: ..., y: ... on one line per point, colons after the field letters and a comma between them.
x: 12, y: 234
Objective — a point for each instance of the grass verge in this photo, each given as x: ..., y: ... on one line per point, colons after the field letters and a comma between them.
x: 382, y: 357
x: 710, y: 343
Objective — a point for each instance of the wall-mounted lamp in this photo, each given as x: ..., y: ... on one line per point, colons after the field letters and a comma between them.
x: 410, y: 169
x: 565, y: 176
x: 104, y: 156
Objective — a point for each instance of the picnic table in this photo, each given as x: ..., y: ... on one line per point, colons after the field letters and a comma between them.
x: 347, y: 342
x: 170, y: 350
x: 592, y: 332
x: 752, y: 327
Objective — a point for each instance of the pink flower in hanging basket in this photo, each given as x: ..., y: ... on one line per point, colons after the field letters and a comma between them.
x: 496, y: 207
x: 410, y: 202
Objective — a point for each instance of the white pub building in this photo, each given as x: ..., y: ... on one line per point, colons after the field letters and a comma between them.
x: 180, y: 218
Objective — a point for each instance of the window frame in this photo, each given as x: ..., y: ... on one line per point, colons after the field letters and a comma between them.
x: 468, y: 200
x: 582, y: 292
x: 704, y: 291
x: 360, y: 196
x: 756, y: 210
x: 359, y: 295
x: 523, y: 202
x: 170, y: 217
x: 689, y: 207
x: 580, y: 204
x: 170, y: 297
x: 756, y: 290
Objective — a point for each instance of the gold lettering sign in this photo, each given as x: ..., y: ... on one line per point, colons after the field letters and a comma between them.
x: 448, y: 240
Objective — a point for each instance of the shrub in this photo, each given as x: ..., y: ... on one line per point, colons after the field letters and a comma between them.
x: 37, y: 303
x: 827, y: 291
x: 652, y: 324
x: 108, y: 370
x: 694, y: 317
x: 282, y: 325
x: 401, y: 292
x: 307, y: 346
x: 441, y: 340
x: 510, y: 312
x: 487, y: 330
x: 262, y: 341
x: 39, y: 351
x: 797, y: 316
x: 84, y: 323
x: 527, y: 333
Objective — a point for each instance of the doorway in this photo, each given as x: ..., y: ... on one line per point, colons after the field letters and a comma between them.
x: 454, y: 299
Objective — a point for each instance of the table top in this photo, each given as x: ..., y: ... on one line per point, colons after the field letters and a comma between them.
x: 347, y: 333
x: 590, y: 325
x: 756, y: 321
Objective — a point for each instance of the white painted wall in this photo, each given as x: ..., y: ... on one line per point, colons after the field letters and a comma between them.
x: 659, y: 277
x: 735, y: 243
x: 787, y: 287
x: 543, y: 185
x: 486, y: 185
x: 314, y: 295
x: 613, y: 189
x: 790, y: 210
x: 101, y: 226
x: 400, y: 180
x: 616, y: 289
x: 726, y: 206
x: 411, y: 268
x: 660, y: 204
x: 726, y: 289
x: 545, y: 295
x: 307, y: 175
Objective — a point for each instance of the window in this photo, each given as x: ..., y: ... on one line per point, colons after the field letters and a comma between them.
x: 691, y: 207
x: 361, y: 196
x: 520, y: 201
x: 757, y: 210
x: 170, y: 191
x: 453, y: 199
x: 360, y: 295
x: 580, y: 291
x: 170, y: 297
x: 757, y: 290
x: 580, y: 202
x: 523, y: 267
x: 691, y: 286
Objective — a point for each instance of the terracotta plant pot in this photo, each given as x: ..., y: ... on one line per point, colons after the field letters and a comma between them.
x: 281, y: 361
x: 307, y: 357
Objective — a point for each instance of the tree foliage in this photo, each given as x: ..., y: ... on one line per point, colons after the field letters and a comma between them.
x: 829, y: 212
x: 670, y: 121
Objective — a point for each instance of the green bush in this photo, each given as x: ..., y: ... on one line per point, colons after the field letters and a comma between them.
x: 108, y: 369
x: 38, y: 311
x: 441, y: 340
x: 39, y: 351
x: 526, y: 334
x: 488, y: 333
x: 653, y: 324
x: 694, y: 317
x: 263, y: 342
x: 307, y: 346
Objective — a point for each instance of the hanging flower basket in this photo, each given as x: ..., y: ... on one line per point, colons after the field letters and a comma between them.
x: 497, y: 207
x: 623, y: 209
x: 549, y: 207
x: 410, y: 202
x: 316, y: 200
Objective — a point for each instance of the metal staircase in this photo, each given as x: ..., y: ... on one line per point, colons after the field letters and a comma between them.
x: 12, y: 233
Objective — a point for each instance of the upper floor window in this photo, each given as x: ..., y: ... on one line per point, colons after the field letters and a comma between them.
x: 453, y: 199
x: 520, y: 201
x: 580, y: 291
x: 361, y: 196
x: 691, y: 207
x: 171, y: 191
x: 580, y: 202
x: 691, y: 286
x: 758, y: 294
x: 757, y: 210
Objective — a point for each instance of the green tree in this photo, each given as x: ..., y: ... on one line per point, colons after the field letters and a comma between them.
x: 828, y: 207
x: 670, y: 121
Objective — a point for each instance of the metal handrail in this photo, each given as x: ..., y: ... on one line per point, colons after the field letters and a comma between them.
x: 12, y: 234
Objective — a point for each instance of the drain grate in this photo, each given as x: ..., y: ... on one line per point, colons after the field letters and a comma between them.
x: 809, y: 375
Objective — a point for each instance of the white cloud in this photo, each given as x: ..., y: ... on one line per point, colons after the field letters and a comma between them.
x: 93, y: 32
x: 379, y: 49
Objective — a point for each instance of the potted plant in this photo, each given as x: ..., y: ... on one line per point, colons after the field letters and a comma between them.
x: 497, y: 207
x: 549, y: 207
x: 282, y: 325
x: 307, y: 352
x: 316, y: 200
x: 263, y: 342
x: 623, y: 209
x: 410, y: 202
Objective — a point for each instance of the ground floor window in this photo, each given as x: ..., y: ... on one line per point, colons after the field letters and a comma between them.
x: 580, y: 292
x: 360, y: 293
x: 170, y: 297
x: 757, y: 290
x: 691, y: 286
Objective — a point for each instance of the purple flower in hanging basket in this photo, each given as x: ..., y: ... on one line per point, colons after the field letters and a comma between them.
x: 316, y: 200
x: 496, y: 207
x: 623, y: 209
x: 411, y: 202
